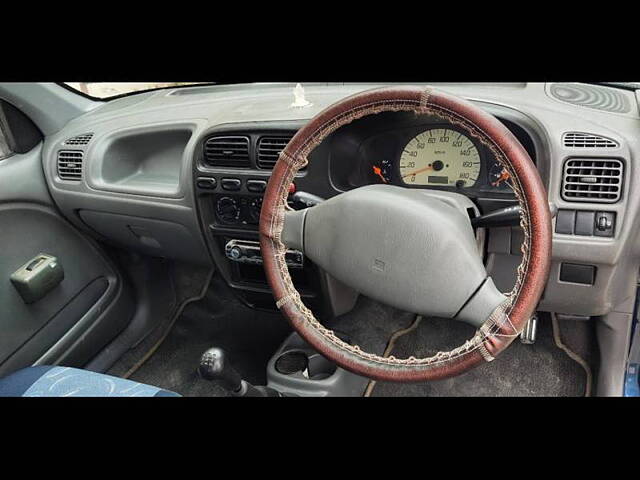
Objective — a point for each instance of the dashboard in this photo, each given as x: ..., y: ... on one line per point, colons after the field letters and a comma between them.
x: 142, y: 177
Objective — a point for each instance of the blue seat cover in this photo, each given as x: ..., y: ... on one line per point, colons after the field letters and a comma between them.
x: 45, y: 381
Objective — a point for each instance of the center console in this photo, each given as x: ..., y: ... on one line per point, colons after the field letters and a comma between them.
x: 231, y: 170
x: 297, y: 369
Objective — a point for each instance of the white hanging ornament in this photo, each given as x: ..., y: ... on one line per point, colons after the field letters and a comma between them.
x: 298, y: 97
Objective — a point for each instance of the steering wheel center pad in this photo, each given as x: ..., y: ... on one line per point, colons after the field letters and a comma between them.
x: 412, y: 249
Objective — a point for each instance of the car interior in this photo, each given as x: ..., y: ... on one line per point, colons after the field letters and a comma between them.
x: 320, y: 240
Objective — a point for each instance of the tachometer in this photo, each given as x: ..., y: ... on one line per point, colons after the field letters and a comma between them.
x: 440, y: 156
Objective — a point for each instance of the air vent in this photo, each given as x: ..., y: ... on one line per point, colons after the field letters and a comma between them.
x: 229, y: 151
x: 79, y: 139
x: 269, y: 149
x: 592, y: 180
x: 587, y: 140
x: 70, y: 165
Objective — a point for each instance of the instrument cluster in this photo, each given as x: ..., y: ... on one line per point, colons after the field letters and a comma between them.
x: 427, y: 154
x: 438, y: 156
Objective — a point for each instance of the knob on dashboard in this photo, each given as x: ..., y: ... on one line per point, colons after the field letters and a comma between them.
x: 255, y: 206
x: 227, y: 210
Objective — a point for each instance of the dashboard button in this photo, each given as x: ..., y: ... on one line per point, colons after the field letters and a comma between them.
x: 605, y: 224
x: 258, y: 186
x: 230, y: 184
x: 565, y: 221
x: 228, y: 210
x: 206, y: 183
x: 584, y: 223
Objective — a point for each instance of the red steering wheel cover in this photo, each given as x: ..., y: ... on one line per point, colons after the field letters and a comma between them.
x: 504, y: 325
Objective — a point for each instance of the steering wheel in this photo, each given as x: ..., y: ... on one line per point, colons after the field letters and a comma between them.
x: 412, y: 249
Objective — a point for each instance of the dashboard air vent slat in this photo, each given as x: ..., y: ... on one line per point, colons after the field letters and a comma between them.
x: 79, y: 139
x: 592, y: 180
x: 587, y: 140
x: 269, y: 148
x: 70, y: 165
x: 227, y: 151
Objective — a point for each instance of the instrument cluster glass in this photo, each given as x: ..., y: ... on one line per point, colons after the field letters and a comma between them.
x: 435, y: 157
x: 440, y: 156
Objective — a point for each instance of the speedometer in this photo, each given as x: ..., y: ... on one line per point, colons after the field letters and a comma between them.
x: 440, y: 156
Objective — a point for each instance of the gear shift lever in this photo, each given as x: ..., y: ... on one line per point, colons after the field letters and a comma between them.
x: 214, y: 366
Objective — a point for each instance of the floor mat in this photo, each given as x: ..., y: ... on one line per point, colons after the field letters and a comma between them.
x: 248, y: 336
x: 370, y: 324
x: 540, y: 369
x: 188, y: 283
x: 251, y: 337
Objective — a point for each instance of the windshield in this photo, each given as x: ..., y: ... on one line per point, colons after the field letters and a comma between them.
x: 625, y: 85
x: 107, y: 90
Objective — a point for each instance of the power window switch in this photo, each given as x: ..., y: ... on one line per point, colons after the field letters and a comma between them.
x: 585, y: 222
x: 605, y: 224
x: 565, y: 221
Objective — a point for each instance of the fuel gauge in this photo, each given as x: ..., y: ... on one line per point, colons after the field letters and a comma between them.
x: 499, y: 178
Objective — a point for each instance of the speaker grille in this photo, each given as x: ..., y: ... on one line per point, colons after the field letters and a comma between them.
x: 591, y: 96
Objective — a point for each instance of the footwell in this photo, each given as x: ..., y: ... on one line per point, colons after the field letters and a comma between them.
x: 248, y: 336
x: 541, y: 369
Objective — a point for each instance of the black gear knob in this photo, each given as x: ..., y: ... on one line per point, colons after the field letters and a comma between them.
x: 215, y: 366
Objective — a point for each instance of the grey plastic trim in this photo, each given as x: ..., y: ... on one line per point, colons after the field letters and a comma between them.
x: 62, y: 347
x: 171, y: 200
x: 61, y: 104
x: 613, y: 332
x: 31, y: 187
x: 483, y: 303
x: 150, y: 160
x: 340, y: 383
x: 293, y: 232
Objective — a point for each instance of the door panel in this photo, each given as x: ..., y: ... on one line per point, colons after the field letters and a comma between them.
x: 80, y: 315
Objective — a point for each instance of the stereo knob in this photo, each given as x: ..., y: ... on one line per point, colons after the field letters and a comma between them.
x: 227, y: 210
x: 254, y: 209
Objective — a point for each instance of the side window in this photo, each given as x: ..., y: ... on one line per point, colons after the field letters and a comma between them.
x: 18, y: 134
x: 5, y: 151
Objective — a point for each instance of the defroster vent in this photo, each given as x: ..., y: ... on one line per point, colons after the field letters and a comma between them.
x: 587, y: 140
x: 83, y: 139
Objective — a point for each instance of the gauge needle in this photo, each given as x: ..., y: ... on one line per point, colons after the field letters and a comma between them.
x: 378, y: 172
x: 504, y: 176
x: 418, y: 171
